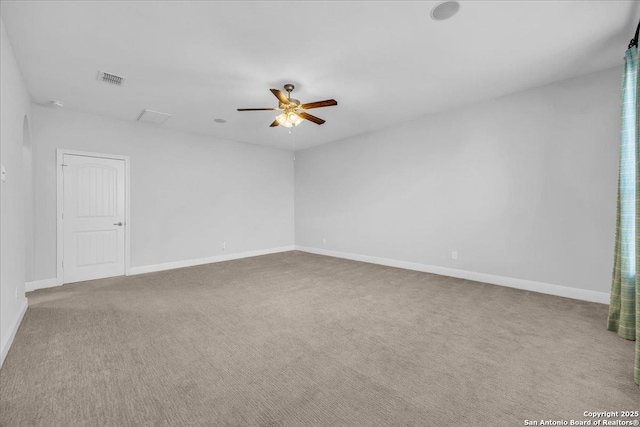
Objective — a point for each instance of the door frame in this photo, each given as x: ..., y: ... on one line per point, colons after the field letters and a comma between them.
x: 60, y: 152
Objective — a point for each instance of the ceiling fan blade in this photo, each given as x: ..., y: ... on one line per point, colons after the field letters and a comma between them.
x: 318, y: 104
x: 274, y: 124
x: 281, y: 96
x: 311, y: 118
x: 256, y: 109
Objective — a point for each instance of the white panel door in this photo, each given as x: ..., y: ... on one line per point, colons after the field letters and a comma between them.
x: 93, y: 218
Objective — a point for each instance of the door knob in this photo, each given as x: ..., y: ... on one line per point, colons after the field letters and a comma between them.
x: 119, y: 224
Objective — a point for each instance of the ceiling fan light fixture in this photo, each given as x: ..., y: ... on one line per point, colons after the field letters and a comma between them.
x: 294, y: 119
x: 282, y: 120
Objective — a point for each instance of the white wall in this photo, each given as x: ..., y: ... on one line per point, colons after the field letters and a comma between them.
x: 15, y: 104
x: 523, y: 186
x: 188, y: 193
x: 27, y: 185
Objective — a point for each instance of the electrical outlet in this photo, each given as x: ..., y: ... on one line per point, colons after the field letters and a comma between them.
x: 324, y: 240
x: 454, y: 255
x: 224, y: 245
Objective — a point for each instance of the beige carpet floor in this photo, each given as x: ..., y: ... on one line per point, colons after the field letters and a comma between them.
x: 295, y: 339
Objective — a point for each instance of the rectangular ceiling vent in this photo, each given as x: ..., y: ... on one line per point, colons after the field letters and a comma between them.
x: 111, y: 78
x: 155, y: 117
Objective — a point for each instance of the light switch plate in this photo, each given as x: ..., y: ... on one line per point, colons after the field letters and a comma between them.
x: 3, y: 172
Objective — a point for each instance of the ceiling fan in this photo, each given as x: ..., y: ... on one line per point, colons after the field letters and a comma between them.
x: 292, y: 111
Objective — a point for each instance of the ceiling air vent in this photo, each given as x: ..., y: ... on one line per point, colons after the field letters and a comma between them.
x: 155, y: 117
x: 111, y: 78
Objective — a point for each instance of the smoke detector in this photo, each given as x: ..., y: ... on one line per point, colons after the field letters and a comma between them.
x: 155, y: 117
x: 111, y: 78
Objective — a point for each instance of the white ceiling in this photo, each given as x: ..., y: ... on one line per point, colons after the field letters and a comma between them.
x: 384, y: 62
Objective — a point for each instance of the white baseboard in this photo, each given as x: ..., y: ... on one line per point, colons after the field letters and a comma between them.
x: 41, y: 284
x: 544, y: 288
x: 6, y: 343
x: 208, y: 260
x: 50, y: 283
x: 529, y: 285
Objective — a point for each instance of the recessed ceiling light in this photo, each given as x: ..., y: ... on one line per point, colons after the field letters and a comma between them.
x: 58, y: 104
x: 445, y: 10
x: 220, y: 120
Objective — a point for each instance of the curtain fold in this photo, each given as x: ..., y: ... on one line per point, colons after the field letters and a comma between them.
x: 624, y: 310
